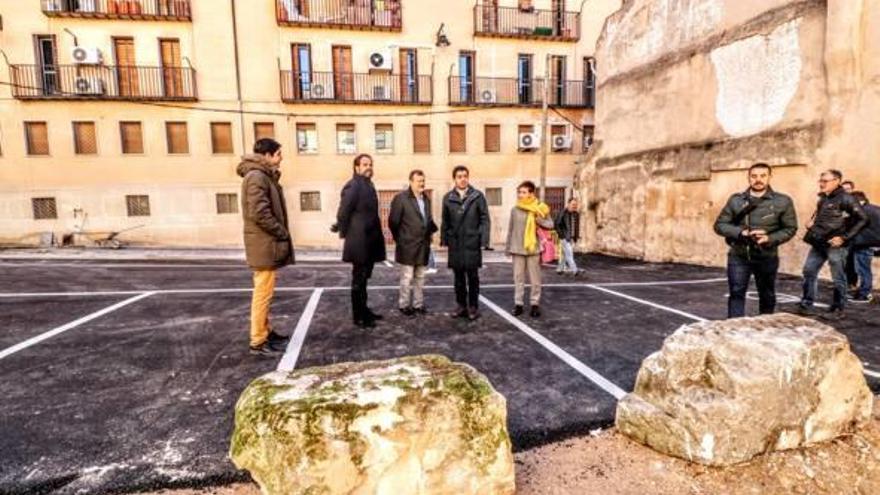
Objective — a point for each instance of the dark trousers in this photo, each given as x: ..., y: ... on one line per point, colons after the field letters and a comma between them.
x: 863, y: 259
x: 739, y: 272
x: 836, y: 258
x: 852, y: 274
x: 360, y: 274
x: 467, y: 287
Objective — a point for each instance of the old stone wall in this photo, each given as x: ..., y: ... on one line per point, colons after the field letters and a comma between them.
x: 692, y: 92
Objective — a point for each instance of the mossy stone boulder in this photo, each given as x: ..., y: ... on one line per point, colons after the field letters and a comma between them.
x: 409, y: 426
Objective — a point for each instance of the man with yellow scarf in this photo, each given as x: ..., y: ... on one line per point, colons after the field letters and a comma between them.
x: 522, y: 244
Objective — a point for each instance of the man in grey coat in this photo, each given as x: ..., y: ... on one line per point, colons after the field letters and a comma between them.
x: 412, y: 225
x: 524, y: 246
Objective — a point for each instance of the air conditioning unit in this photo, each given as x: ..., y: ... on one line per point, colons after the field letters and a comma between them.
x: 381, y: 93
x: 86, y: 56
x: 488, y: 96
x: 561, y: 142
x: 319, y: 92
x: 89, y: 86
x: 52, y: 5
x: 381, y: 59
x: 528, y: 141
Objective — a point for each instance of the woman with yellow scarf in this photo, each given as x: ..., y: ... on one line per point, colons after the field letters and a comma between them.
x: 526, y: 217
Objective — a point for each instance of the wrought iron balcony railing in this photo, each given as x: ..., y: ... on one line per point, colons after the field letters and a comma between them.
x: 337, y: 87
x: 515, y: 22
x: 103, y: 82
x: 379, y: 15
x: 145, y: 10
x: 511, y: 91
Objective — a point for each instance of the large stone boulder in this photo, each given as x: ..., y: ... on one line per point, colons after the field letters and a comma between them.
x: 721, y: 392
x: 418, y: 425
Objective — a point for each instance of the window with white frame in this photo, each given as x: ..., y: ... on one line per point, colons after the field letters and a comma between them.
x: 384, y: 138
x: 306, y: 139
x: 345, y: 139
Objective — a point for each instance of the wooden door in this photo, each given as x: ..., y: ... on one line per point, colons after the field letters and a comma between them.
x: 557, y: 80
x: 343, y: 79
x: 409, y: 79
x: 172, y: 73
x: 555, y: 199
x: 559, y: 18
x: 490, y: 16
x: 126, y: 67
x: 302, y: 70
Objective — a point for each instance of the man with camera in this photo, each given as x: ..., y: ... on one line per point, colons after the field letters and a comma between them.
x: 838, y: 219
x: 754, y: 223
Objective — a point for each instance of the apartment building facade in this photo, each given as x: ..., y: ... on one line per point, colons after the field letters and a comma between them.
x: 130, y: 115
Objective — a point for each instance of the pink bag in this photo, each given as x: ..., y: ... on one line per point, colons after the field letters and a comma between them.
x: 548, y: 247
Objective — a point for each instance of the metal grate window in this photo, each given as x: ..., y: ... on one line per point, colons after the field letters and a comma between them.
x: 36, y: 135
x: 421, y: 138
x: 131, y: 135
x: 227, y: 203
x: 221, y: 138
x: 138, y: 205
x: 457, y: 138
x: 85, y: 138
x: 310, y: 201
x: 44, y: 208
x: 493, y: 196
x: 492, y: 138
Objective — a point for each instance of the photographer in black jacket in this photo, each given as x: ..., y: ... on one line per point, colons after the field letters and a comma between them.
x: 754, y: 223
x: 838, y: 219
x: 863, y: 246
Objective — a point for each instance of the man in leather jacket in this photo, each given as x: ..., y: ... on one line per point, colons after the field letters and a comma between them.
x: 838, y: 219
x: 754, y: 223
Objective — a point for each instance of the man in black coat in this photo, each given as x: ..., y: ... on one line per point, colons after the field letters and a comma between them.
x: 863, y: 245
x: 358, y: 223
x: 465, y: 230
x: 838, y: 219
x: 412, y: 226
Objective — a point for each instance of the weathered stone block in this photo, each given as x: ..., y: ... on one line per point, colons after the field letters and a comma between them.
x: 722, y: 392
x: 418, y: 425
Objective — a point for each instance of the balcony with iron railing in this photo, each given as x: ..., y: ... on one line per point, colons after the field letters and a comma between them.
x: 531, y: 23
x: 338, y: 87
x: 136, y: 10
x: 375, y: 15
x: 103, y: 82
x: 512, y: 91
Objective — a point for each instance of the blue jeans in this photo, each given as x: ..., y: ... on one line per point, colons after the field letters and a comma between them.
x: 739, y: 271
x: 836, y: 258
x: 566, y: 261
x: 863, y: 259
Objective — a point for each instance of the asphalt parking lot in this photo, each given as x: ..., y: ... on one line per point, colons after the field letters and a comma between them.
x: 122, y: 376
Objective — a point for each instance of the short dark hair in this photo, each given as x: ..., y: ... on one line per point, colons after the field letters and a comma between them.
x: 860, y: 196
x: 357, y: 160
x: 266, y: 146
x: 415, y: 173
x: 853, y: 184
x: 529, y: 185
x: 761, y: 165
x: 836, y: 173
x: 571, y: 199
x: 460, y: 168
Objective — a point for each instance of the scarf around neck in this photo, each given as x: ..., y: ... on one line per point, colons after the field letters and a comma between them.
x: 535, y: 209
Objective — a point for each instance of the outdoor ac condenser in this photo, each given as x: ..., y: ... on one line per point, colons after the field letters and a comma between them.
x: 86, y: 56
x: 488, y: 96
x: 528, y: 141
x: 89, y: 86
x: 561, y: 142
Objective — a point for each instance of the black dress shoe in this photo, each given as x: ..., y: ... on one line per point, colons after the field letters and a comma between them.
x: 460, y: 313
x: 536, y: 312
x: 372, y: 315
x: 366, y: 323
x: 473, y: 314
x: 264, y: 350
x: 420, y: 311
x: 407, y: 311
x: 277, y: 337
x: 517, y: 310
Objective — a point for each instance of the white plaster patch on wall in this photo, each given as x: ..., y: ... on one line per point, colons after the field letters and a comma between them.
x: 757, y: 79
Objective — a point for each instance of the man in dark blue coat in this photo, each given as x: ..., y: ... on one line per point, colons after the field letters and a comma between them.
x: 358, y: 223
x: 465, y: 229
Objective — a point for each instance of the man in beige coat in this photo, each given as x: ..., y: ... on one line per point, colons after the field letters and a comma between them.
x: 267, y: 242
x: 524, y: 246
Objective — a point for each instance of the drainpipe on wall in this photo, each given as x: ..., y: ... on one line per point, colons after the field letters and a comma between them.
x: 238, y: 77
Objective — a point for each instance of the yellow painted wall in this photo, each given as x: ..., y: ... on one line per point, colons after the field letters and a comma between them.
x: 182, y: 188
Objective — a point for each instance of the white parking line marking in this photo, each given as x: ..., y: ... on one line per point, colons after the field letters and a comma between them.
x: 661, y: 282
x: 570, y: 360
x: 870, y: 373
x: 153, y: 265
x: 647, y: 303
x: 294, y: 347
x: 69, y: 326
